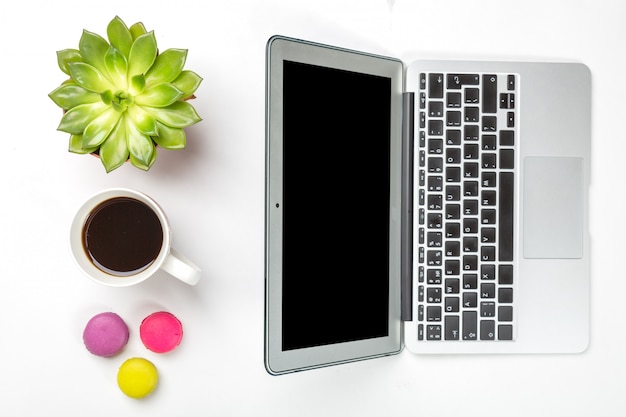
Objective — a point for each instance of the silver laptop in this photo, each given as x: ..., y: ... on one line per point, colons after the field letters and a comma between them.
x: 441, y: 206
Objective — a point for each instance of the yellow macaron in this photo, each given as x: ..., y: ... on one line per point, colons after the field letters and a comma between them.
x: 137, y: 377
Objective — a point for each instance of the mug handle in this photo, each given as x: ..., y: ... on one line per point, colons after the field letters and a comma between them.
x: 182, y: 268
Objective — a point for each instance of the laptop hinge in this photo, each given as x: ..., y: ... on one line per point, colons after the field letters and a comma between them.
x: 406, y: 269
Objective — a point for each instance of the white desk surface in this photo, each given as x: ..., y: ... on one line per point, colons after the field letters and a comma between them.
x: 213, y: 193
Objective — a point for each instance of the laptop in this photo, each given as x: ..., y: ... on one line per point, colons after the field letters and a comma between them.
x: 440, y: 206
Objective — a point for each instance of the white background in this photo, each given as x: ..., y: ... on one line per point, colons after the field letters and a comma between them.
x: 213, y: 193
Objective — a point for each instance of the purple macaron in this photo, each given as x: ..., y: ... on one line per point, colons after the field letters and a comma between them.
x: 105, y: 334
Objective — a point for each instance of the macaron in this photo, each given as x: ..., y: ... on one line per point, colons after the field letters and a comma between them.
x: 105, y: 334
x: 161, y: 332
x: 137, y: 377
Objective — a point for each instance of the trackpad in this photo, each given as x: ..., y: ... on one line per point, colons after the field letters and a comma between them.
x: 553, y: 207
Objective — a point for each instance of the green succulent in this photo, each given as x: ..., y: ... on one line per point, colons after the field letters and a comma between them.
x: 123, y: 97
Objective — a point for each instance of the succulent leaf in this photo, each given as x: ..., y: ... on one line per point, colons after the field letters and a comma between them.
x: 139, y: 164
x: 107, y: 97
x: 116, y: 66
x: 93, y: 48
x: 76, y: 145
x: 137, y: 84
x: 137, y: 30
x: 119, y: 35
x: 66, y: 56
x: 160, y: 95
x: 170, y: 137
x: 114, y: 151
x: 144, y: 121
x: 99, y: 128
x: 153, y: 159
x: 89, y: 77
x: 140, y: 146
x: 188, y: 82
x: 71, y: 95
x: 167, y: 66
x: 179, y: 114
x: 142, y: 54
x: 76, y: 119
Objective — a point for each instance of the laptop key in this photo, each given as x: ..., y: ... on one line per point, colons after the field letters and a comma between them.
x: 505, y: 332
x: 487, y: 309
x: 488, y: 253
x: 488, y: 272
x: 505, y: 295
x: 470, y: 244
x: 470, y: 299
x: 471, y: 114
x: 434, y: 239
x: 489, y: 142
x: 433, y: 332
x: 470, y: 282
x: 488, y: 217
x: 488, y: 235
x: 452, y: 305
x: 435, y: 85
x: 488, y: 290
x: 505, y: 274
x: 472, y: 95
x: 453, y: 248
x: 507, y: 159
x: 505, y: 313
x: 433, y: 276
x: 511, y: 82
x: 487, y: 330
x: 435, y: 164
x: 435, y: 108
x: 453, y: 100
x: 453, y: 118
x: 453, y: 155
x: 507, y: 101
x: 489, y: 124
x: 506, y: 216
x: 490, y: 93
x: 456, y: 81
x: 452, y: 286
x: 451, y: 326
x: 452, y: 267
x: 470, y: 132
x: 470, y: 170
x: 510, y: 119
x: 470, y: 323
x: 453, y: 137
x: 435, y: 127
x: 433, y: 313
x: 507, y: 138
x: 433, y: 295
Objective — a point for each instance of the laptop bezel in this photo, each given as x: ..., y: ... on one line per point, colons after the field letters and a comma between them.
x: 277, y: 361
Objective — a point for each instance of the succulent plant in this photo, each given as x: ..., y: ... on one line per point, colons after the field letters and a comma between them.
x: 124, y: 97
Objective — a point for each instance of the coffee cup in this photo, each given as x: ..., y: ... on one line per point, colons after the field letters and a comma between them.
x: 121, y: 237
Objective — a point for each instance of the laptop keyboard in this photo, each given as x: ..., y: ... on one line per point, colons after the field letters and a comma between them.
x: 466, y: 156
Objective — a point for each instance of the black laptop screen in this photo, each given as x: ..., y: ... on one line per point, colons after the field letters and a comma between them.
x: 336, y: 197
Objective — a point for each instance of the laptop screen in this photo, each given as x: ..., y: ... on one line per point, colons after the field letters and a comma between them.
x: 336, y: 199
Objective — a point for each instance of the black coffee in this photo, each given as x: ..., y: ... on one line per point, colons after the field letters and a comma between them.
x: 122, y: 236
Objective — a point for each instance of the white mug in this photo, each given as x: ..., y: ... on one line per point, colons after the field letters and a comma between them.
x: 92, y: 234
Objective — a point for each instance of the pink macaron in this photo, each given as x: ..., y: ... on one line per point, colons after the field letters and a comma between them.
x: 161, y: 332
x: 105, y: 334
